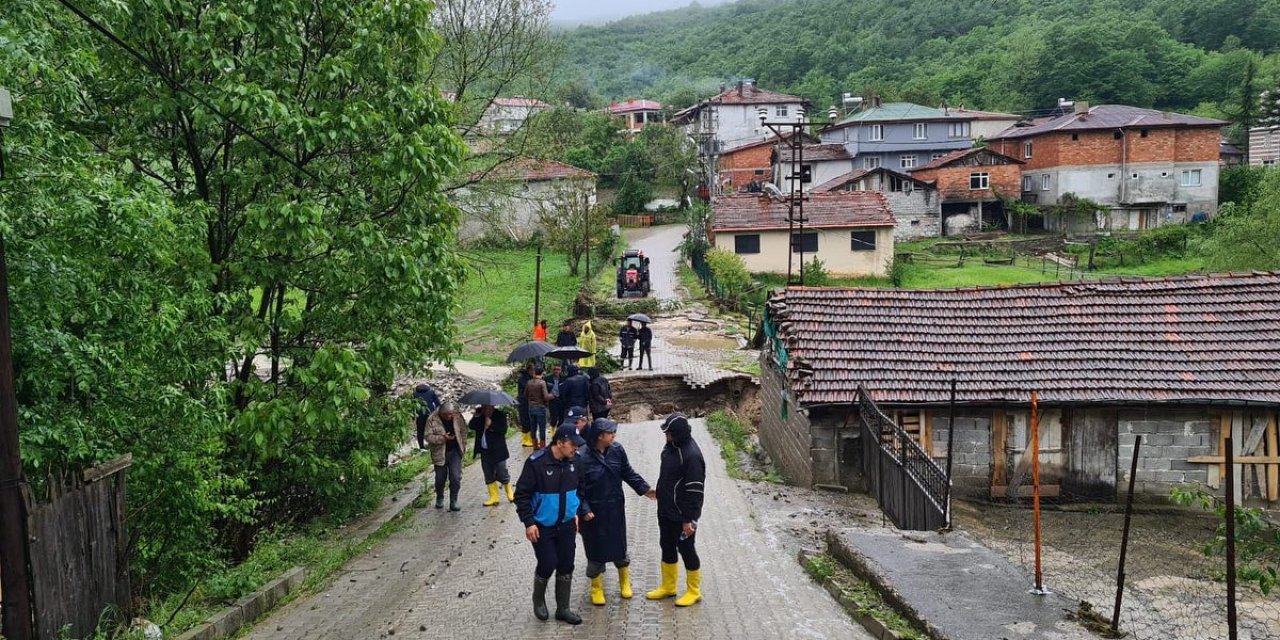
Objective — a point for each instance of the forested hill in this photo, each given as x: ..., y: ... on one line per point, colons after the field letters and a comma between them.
x: 1016, y: 55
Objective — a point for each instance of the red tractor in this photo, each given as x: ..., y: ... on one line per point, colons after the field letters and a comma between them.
x: 633, y: 273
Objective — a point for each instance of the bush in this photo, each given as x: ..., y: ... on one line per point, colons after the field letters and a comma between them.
x: 814, y: 274
x: 729, y: 271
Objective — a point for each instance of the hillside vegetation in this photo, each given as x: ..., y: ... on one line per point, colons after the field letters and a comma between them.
x: 1011, y: 55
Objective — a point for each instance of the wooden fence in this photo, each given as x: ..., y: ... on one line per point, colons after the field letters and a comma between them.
x: 636, y: 220
x: 79, y: 551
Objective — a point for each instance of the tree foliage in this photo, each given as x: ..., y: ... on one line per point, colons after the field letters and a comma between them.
x: 1245, y: 232
x: 572, y: 221
x: 729, y: 271
x: 1257, y: 540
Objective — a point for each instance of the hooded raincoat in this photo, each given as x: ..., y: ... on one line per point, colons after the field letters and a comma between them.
x: 587, y: 340
x: 604, y: 537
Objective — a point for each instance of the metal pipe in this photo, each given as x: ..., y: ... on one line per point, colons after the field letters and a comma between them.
x: 1124, y: 539
x: 1035, y: 488
x: 1232, y: 631
x: 951, y: 438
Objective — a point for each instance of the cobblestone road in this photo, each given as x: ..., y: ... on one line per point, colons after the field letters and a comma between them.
x: 469, y: 574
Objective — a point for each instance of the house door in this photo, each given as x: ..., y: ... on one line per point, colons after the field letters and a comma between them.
x: 1091, y: 436
x: 1012, y: 471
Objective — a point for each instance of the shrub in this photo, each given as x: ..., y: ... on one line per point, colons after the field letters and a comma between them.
x: 729, y: 271
x: 814, y: 274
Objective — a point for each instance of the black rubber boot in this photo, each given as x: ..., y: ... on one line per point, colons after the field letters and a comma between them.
x: 564, y: 584
x: 540, y: 598
x: 453, y: 500
x: 439, y: 500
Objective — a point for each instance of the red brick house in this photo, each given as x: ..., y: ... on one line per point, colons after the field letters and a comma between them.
x: 740, y: 166
x: 971, y: 183
x: 1148, y: 167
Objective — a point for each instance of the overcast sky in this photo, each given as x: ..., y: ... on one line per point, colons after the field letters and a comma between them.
x: 598, y: 10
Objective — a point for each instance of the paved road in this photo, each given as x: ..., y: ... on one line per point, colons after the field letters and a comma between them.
x: 662, y: 245
x: 468, y: 575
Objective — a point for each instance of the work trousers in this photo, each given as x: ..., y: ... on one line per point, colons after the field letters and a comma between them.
x: 451, y: 471
x: 494, y: 470
x: 555, y: 550
x: 669, y: 541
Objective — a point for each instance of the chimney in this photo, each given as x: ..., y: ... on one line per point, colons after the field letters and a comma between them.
x: 739, y: 88
x: 875, y: 102
x: 1081, y: 107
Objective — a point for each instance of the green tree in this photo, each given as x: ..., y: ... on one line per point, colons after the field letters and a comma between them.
x: 729, y: 271
x: 572, y: 221
x: 1244, y: 234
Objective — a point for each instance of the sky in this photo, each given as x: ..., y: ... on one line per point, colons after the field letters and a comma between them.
x: 574, y: 11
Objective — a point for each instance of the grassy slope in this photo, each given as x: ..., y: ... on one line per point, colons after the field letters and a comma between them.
x: 497, y: 300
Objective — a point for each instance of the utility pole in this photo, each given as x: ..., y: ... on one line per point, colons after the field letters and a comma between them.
x: 537, y: 287
x: 18, y: 623
x: 795, y: 182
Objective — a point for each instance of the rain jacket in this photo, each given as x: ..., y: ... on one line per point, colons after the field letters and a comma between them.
x: 574, y: 391
x: 436, y: 428
x: 601, y: 395
x: 547, y: 492
x: 587, y: 340
x: 604, y: 537
x: 495, y: 439
x: 682, y: 475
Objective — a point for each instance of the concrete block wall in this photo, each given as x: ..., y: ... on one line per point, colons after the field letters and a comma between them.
x: 786, y: 439
x: 916, y: 215
x: 1168, y: 439
x: 971, y: 462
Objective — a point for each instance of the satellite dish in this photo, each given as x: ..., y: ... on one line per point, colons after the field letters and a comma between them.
x: 773, y: 191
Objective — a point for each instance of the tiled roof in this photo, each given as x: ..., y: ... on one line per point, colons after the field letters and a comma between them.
x: 1228, y: 149
x: 815, y: 152
x: 959, y: 154
x: 839, y: 182
x: 899, y: 112
x: 538, y: 170
x: 821, y: 210
x: 772, y: 139
x: 1109, y: 116
x: 1190, y: 339
x: 751, y: 94
x: 635, y: 105
x: 521, y: 102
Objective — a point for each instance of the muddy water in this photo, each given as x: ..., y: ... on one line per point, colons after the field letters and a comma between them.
x: 703, y: 342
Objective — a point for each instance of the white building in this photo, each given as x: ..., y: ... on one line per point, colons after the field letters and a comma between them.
x: 506, y: 115
x: 1264, y: 146
x: 732, y: 118
x: 508, y: 200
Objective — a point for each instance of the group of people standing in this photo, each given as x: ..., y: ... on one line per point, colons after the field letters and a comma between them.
x: 628, y: 336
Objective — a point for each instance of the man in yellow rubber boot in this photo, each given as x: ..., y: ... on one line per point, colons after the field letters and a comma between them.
x: 490, y: 428
x: 605, y: 467
x: 681, y: 479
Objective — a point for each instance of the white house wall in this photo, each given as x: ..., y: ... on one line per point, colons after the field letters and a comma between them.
x: 1157, y: 185
x: 834, y: 250
x: 509, y: 210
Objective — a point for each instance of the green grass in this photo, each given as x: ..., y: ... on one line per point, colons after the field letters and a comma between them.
x: 859, y: 595
x: 732, y: 435
x: 497, y: 300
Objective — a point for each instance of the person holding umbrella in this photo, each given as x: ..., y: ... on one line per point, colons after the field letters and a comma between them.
x: 490, y: 428
x: 605, y: 467
x: 447, y: 434
x: 627, y: 339
x: 645, y: 336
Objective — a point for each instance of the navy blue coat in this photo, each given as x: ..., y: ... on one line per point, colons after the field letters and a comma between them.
x: 574, y: 391
x: 495, y: 439
x: 604, y: 537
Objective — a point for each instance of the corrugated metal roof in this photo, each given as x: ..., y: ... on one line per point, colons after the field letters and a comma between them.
x: 635, y: 105
x: 1202, y: 339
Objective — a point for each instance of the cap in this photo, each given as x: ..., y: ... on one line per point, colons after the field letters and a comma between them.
x: 576, y: 412
x: 605, y: 425
x: 568, y: 433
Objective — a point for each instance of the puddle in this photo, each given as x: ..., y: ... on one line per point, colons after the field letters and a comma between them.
x: 712, y: 342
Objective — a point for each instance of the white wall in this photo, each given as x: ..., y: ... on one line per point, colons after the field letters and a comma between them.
x: 509, y: 209
x: 822, y: 171
x: 739, y: 124
x: 834, y: 250
x: 1156, y: 184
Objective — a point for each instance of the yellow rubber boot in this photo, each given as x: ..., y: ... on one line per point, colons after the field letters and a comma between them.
x: 668, y: 587
x: 597, y: 590
x: 693, y: 589
x: 511, y: 492
x: 624, y: 582
x: 493, y: 495
x: 526, y: 439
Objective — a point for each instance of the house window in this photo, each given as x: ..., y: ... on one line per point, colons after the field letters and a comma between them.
x: 1117, y: 134
x: 780, y: 111
x: 1179, y: 208
x: 871, y: 162
x: 862, y: 241
x: 900, y: 185
x: 958, y: 130
x: 1026, y: 149
x: 980, y: 180
x: 1044, y: 182
x: 806, y: 173
x: 1143, y: 133
x: 935, y: 156
x: 908, y: 162
x: 876, y: 132
x: 1026, y: 183
x: 804, y: 243
x: 1075, y: 137
x: 759, y: 172
x: 919, y: 131
x: 746, y: 244
x: 1111, y: 176
x: 1191, y: 178
x: 1268, y: 162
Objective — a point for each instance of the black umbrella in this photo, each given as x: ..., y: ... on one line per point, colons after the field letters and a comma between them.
x: 530, y: 350
x: 491, y: 397
x: 568, y: 353
x: 640, y: 317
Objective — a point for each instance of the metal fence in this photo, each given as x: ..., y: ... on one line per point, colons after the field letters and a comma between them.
x: 910, y: 487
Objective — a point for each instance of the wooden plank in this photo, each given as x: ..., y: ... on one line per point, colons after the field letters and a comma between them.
x: 1268, y: 459
x: 1237, y: 438
x: 1046, y: 491
x: 1273, y: 448
x: 94, y: 474
x: 998, y: 429
x: 926, y: 435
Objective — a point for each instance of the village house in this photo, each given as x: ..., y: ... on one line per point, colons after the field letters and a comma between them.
x: 1264, y: 146
x: 851, y: 233
x: 1147, y: 167
x: 900, y: 135
x: 731, y: 118
x: 748, y: 167
x: 507, y: 115
x: 972, y: 184
x: 1185, y: 362
x: 984, y: 124
x: 635, y: 114
x: 508, y: 200
x: 819, y: 163
x: 916, y: 208
x: 1229, y: 155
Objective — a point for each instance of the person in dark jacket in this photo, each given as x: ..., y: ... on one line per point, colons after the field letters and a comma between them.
x: 550, y: 506
x: 522, y: 405
x: 627, y: 339
x: 645, y: 337
x: 605, y: 468
x: 681, y: 478
x: 555, y: 414
x: 601, y: 395
x: 575, y: 391
x: 576, y: 417
x: 428, y: 402
x: 490, y: 428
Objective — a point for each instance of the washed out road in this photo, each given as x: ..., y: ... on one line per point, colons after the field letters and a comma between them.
x: 469, y: 575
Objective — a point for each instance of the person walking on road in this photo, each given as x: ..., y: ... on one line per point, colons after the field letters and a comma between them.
x: 428, y: 402
x: 448, y: 437
x: 645, y: 336
x: 587, y: 340
x: 575, y: 391
x: 538, y: 397
x: 555, y: 410
x: 681, y: 478
x: 550, y: 505
x: 627, y: 339
x: 605, y: 468
x: 601, y: 395
x: 490, y: 427
x: 522, y: 405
